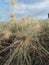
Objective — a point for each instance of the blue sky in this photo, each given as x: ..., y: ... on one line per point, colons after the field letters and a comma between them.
x: 32, y: 8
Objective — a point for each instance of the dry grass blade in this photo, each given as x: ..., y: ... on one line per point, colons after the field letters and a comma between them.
x: 10, y: 46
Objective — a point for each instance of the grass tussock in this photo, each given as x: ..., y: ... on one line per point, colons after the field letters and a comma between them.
x: 25, y: 42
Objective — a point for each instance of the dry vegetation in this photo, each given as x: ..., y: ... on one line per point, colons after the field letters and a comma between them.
x: 25, y: 42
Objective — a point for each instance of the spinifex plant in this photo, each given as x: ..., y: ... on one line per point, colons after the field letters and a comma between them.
x: 28, y: 45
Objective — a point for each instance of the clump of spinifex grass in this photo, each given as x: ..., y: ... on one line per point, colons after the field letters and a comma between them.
x: 27, y: 44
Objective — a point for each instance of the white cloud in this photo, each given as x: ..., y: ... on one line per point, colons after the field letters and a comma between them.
x: 21, y: 8
x: 40, y: 5
x: 32, y: 6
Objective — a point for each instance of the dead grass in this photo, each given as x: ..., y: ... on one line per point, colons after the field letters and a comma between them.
x: 25, y: 42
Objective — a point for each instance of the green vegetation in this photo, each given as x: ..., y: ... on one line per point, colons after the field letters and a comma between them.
x: 24, y: 42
